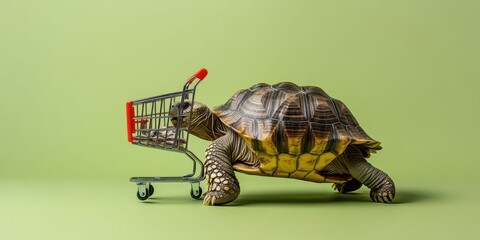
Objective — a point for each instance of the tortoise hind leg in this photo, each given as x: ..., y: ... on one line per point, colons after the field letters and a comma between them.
x: 382, y: 188
x: 349, y: 186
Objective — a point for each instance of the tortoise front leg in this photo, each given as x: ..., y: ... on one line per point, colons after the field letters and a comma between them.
x: 223, y: 186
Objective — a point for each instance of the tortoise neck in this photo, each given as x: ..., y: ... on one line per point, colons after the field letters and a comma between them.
x: 210, y: 128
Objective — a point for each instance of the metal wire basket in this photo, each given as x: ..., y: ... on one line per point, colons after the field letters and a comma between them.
x: 149, y: 125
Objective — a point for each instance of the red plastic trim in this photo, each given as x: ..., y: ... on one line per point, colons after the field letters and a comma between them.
x: 201, y: 74
x: 130, y: 123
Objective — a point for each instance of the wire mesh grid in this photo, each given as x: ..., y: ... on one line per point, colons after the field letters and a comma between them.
x: 153, y: 125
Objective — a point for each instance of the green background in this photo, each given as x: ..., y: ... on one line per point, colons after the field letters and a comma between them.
x: 408, y: 70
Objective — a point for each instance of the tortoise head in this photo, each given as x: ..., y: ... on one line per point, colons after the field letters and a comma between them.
x: 179, y: 110
x: 203, y: 123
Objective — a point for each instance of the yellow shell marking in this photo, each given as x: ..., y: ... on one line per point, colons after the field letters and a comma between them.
x: 324, y: 160
x: 319, y: 145
x: 268, y: 146
x: 268, y: 163
x: 299, y: 174
x: 287, y: 163
x: 306, y: 162
x: 314, y: 177
x: 294, y: 145
x: 305, y: 166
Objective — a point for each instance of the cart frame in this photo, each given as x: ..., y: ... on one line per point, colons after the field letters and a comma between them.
x: 149, y: 125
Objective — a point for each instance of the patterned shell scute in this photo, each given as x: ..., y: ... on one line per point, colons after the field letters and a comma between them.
x: 288, y: 119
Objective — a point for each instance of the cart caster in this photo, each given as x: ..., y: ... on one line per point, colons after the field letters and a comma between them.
x: 143, y: 193
x: 151, y: 190
x: 195, y: 191
x: 142, y: 196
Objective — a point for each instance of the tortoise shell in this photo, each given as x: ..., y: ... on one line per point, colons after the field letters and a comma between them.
x: 294, y: 124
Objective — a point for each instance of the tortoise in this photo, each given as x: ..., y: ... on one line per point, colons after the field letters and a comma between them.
x: 284, y: 130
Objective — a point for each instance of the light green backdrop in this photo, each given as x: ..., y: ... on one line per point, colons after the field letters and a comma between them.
x: 408, y: 70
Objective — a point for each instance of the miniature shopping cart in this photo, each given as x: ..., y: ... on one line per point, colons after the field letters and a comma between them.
x: 149, y: 125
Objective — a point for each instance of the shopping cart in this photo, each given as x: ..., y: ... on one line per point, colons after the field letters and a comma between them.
x: 149, y: 125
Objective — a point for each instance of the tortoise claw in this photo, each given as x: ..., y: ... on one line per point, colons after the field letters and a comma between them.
x: 209, y: 200
x: 382, y: 197
x: 219, y: 197
x: 384, y: 194
x: 349, y: 186
x: 206, y: 200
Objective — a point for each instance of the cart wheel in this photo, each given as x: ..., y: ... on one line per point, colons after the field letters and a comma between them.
x: 196, y: 194
x: 145, y: 197
x: 150, y: 190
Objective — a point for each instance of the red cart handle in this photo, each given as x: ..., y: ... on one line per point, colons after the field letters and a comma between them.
x: 200, y: 74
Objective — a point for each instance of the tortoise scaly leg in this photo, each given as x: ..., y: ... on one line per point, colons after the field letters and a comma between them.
x: 223, y: 186
x: 381, y: 185
x: 382, y: 188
